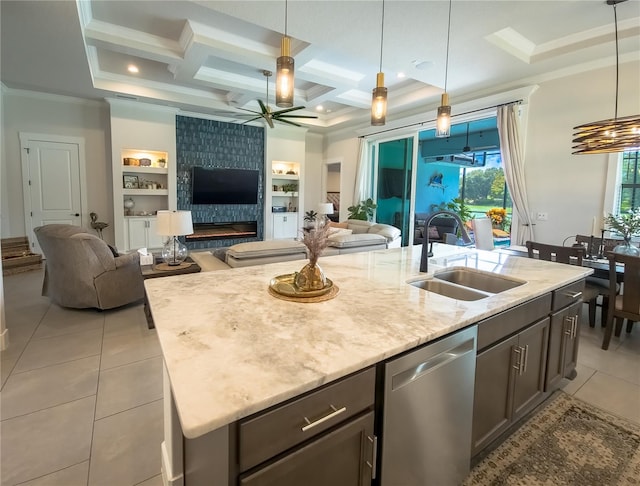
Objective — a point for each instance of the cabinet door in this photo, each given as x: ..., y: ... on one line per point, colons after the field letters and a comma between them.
x: 154, y: 240
x: 531, y: 364
x: 338, y: 458
x: 137, y: 233
x: 492, y: 404
x: 285, y: 225
x: 571, y: 338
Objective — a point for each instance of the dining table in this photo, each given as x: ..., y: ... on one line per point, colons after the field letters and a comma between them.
x: 600, y: 266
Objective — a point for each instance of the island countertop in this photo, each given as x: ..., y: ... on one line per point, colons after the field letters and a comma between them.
x: 231, y: 349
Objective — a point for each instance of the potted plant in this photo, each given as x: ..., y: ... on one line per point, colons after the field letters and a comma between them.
x: 291, y: 187
x: 627, y: 225
x: 310, y: 218
x: 363, y: 210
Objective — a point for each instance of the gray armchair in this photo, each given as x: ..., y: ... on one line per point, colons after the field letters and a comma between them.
x: 81, y: 271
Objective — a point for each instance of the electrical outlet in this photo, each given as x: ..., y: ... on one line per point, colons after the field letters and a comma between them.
x: 543, y: 216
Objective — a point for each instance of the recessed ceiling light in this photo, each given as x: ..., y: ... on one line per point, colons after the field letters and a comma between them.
x: 132, y: 68
x: 401, y: 75
x: 319, y: 108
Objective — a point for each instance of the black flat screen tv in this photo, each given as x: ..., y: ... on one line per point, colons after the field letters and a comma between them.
x: 224, y: 186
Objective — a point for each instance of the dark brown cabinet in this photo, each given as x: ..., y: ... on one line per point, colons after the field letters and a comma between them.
x: 324, y: 437
x: 563, y: 345
x: 339, y: 458
x: 509, y: 382
x: 510, y: 368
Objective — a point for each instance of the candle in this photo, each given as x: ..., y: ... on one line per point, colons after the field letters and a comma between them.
x: 594, y: 227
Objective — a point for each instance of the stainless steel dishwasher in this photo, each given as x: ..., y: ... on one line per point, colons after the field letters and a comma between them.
x: 428, y: 411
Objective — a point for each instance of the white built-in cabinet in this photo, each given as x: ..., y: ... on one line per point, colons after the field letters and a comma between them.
x: 143, y: 151
x: 284, y: 198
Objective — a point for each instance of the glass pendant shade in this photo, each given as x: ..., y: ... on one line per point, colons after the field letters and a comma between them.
x: 443, y: 121
x: 285, y: 75
x: 379, y: 102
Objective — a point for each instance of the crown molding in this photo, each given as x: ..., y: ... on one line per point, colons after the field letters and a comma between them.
x: 40, y: 95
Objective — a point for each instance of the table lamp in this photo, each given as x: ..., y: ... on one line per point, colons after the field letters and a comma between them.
x: 324, y: 209
x: 174, y: 224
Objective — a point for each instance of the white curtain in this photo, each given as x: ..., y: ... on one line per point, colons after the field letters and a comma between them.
x: 513, y: 162
x: 362, y: 189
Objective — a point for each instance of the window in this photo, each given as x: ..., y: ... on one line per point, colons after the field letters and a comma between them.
x: 629, y: 195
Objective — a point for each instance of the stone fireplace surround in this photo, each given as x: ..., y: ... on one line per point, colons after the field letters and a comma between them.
x: 210, y: 143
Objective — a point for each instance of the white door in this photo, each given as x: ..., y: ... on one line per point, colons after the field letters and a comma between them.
x: 52, y: 182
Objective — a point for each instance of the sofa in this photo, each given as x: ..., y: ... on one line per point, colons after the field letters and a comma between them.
x: 348, y: 237
x: 82, y: 271
x: 438, y: 228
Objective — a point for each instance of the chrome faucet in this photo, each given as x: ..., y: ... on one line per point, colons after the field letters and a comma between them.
x: 426, y: 251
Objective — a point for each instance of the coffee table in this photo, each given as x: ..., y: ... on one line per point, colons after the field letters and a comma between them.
x: 160, y: 269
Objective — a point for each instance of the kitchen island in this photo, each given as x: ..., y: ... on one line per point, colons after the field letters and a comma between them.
x: 231, y: 349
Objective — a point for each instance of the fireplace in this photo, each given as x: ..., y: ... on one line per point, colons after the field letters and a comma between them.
x: 223, y: 231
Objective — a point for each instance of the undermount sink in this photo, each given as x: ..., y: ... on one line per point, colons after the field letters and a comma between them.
x: 462, y: 283
x: 478, y: 279
x: 448, y: 290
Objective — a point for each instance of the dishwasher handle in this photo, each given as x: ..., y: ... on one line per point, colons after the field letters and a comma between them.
x: 412, y: 374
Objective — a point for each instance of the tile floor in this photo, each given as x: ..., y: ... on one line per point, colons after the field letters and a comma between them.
x: 81, y: 398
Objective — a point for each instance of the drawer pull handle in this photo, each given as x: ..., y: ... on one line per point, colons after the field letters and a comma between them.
x: 334, y: 413
x: 573, y: 295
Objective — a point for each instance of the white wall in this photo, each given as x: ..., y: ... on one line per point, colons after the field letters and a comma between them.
x: 56, y: 115
x: 571, y: 188
x: 333, y: 181
x: 345, y: 150
x: 313, y: 171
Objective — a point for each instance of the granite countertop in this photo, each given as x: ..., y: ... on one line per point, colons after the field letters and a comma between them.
x: 231, y: 349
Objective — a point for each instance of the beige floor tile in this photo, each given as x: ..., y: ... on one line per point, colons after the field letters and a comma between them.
x: 572, y: 386
x: 60, y: 321
x: 126, y: 446
x: 77, y: 475
x: 47, y: 387
x: 620, y: 364
x: 129, y: 386
x: 126, y: 320
x: 60, y: 349
x: 154, y: 481
x: 42, y: 442
x: 128, y: 347
x: 613, y: 395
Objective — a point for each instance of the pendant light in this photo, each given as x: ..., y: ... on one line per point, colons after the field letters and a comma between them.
x: 379, y: 98
x: 443, y: 121
x: 612, y: 135
x: 284, y: 69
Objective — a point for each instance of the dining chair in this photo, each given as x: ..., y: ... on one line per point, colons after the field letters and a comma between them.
x: 626, y: 305
x: 592, y: 245
x: 571, y: 255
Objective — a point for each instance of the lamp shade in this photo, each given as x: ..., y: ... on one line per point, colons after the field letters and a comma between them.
x: 174, y: 223
x: 325, y: 208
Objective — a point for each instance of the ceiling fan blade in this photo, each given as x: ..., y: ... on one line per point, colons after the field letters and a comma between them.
x: 265, y: 109
x: 269, y: 121
x: 252, y: 119
x: 287, y: 110
x: 250, y: 111
x: 277, y: 117
x: 282, y: 120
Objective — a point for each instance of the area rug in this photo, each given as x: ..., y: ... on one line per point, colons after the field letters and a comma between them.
x: 567, y: 442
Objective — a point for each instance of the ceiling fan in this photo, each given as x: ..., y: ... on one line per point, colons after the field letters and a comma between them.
x: 467, y: 148
x: 280, y: 115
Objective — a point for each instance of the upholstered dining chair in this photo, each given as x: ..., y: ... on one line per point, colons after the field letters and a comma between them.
x: 627, y: 304
x: 564, y: 254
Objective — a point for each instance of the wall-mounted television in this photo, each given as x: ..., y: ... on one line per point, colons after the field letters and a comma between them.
x: 224, y: 186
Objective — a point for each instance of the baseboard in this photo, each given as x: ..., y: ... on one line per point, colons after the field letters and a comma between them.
x: 167, y: 473
x: 4, y: 339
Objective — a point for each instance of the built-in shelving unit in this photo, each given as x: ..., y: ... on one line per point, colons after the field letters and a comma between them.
x: 284, y: 199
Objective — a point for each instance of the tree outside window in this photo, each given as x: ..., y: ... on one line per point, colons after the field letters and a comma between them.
x: 629, y: 182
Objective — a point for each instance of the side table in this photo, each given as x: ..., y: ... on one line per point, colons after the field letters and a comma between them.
x: 158, y: 269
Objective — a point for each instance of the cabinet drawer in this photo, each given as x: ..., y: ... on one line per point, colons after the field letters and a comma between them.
x: 498, y: 327
x: 272, y: 432
x: 567, y: 295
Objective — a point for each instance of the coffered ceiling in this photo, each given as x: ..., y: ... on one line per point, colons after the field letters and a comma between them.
x: 208, y: 56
